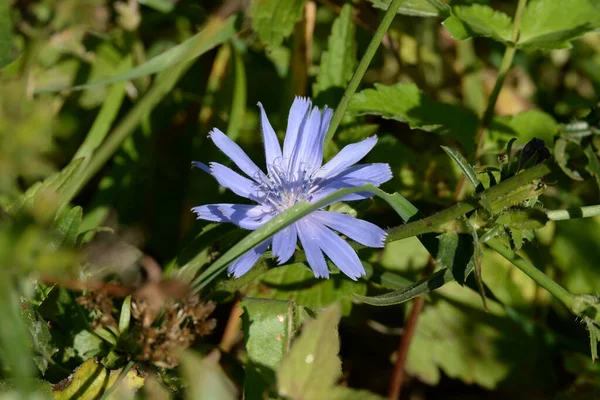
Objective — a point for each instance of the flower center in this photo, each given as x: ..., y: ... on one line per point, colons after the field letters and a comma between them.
x: 283, y: 188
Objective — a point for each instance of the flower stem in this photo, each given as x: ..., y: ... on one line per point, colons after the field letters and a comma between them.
x: 362, y: 67
x: 434, y: 222
x: 581, y: 212
x: 562, y: 294
x: 507, y: 60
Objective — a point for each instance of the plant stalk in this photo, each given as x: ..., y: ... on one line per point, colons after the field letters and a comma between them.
x: 580, y: 212
x: 562, y: 294
x: 384, y: 25
x: 507, y: 60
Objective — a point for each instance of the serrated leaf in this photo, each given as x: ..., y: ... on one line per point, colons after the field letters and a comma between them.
x: 90, y: 380
x: 464, y: 166
x: 268, y: 329
x: 550, y: 24
x: 405, y: 102
x: 312, y: 366
x: 593, y: 166
x: 205, y: 378
x: 211, y: 36
x: 456, y: 335
x: 478, y: 20
x: 339, y: 61
x: 297, y: 282
x: 529, y: 218
x: 55, y: 184
x: 416, y: 8
x: 564, y: 150
x: 66, y: 226
x: 40, y: 337
x: 7, y: 51
x: 524, y: 126
x: 274, y: 20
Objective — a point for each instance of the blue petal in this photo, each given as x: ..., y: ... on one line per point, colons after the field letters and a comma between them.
x: 272, y: 148
x: 243, y: 215
x: 284, y: 243
x: 348, y: 156
x: 247, y: 260
x: 236, y: 154
x: 308, y: 153
x: 339, y: 252
x: 202, y: 166
x: 235, y: 182
x: 296, y: 120
x: 307, y: 232
x: 358, y: 175
x: 356, y: 229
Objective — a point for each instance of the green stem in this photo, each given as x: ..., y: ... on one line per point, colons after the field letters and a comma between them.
x: 434, y: 222
x: 562, y: 294
x: 581, y: 212
x: 362, y: 67
x: 507, y: 60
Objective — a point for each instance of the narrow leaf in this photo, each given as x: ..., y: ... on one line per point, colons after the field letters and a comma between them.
x: 464, y: 166
x: 209, y: 37
x: 125, y: 317
x: 66, y: 226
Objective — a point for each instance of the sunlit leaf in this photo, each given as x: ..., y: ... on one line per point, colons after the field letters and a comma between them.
x: 90, y: 380
x: 312, y: 366
x: 274, y: 20
x: 417, y: 8
x: 478, y: 20
x: 205, y: 378
x: 405, y: 102
x: 7, y: 51
x: 548, y: 24
x: 339, y: 61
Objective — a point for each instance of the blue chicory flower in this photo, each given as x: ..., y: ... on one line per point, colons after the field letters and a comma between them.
x: 297, y: 174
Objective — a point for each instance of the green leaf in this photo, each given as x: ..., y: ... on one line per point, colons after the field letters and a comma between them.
x: 452, y: 251
x: 339, y: 61
x: 593, y: 166
x: 125, y: 316
x: 345, y: 393
x: 464, y: 166
x: 163, y: 6
x: 478, y: 20
x: 240, y: 96
x: 406, y: 103
x: 269, y: 326
x: 40, y: 337
x: 274, y: 20
x: 416, y: 8
x: 564, y: 151
x: 90, y: 380
x: 211, y: 36
x: 205, y: 378
x: 55, y: 184
x: 7, y: 51
x: 105, y: 118
x: 524, y: 126
x: 550, y: 24
x: 456, y: 335
x: 312, y: 366
x: 297, y: 282
x: 66, y: 226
